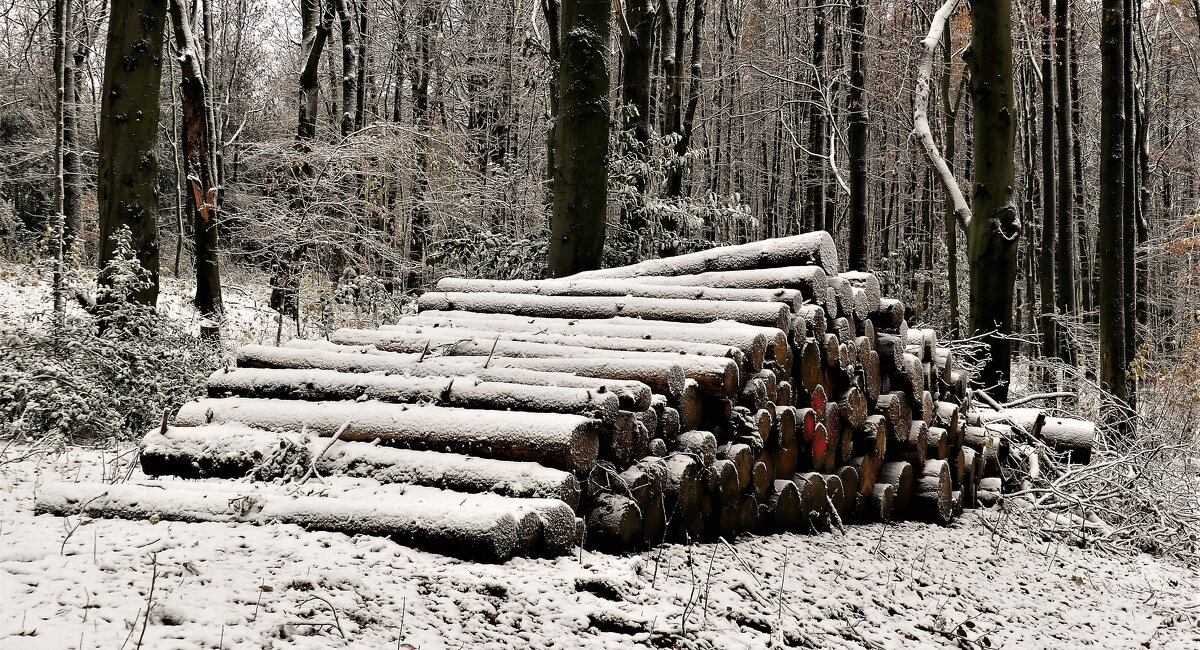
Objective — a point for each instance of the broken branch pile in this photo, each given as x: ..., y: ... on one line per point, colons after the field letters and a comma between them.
x: 741, y: 389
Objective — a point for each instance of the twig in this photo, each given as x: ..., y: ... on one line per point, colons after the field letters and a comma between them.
x: 149, y: 600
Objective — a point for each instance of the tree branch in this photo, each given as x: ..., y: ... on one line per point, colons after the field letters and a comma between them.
x: 921, y: 129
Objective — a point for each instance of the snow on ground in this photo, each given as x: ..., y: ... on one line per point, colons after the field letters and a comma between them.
x: 72, y: 583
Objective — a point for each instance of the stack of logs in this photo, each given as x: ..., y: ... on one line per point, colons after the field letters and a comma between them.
x: 745, y: 388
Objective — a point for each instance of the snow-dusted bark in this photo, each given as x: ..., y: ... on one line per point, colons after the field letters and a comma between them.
x: 559, y: 440
x: 633, y: 395
x: 718, y: 376
x: 461, y: 392
x: 814, y: 248
x: 472, y: 526
x: 754, y: 342
x: 641, y: 288
x: 686, y: 311
x: 810, y: 281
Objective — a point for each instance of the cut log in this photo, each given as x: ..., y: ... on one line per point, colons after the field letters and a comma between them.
x: 756, y: 343
x: 874, y: 438
x: 879, y: 503
x: 700, y: 444
x: 871, y: 374
x: 937, y: 442
x: 690, y: 404
x: 460, y: 392
x: 470, y: 526
x: 762, y: 476
x: 500, y: 343
x: 899, y: 475
x: 1027, y: 421
x: 809, y: 281
x: 849, y: 478
x: 868, y: 285
x: 723, y: 480
x: 915, y: 447
x: 853, y: 407
x: 633, y: 395
x: 563, y: 441
x: 743, y: 461
x: 719, y: 376
x: 683, y: 487
x: 931, y: 494
x: 808, y: 370
x: 783, y: 506
x: 447, y: 471
x: 224, y: 451
x: 836, y: 493
x: 614, y: 523
x: 814, y: 321
x: 784, y: 395
x: 969, y: 479
x: 809, y: 249
x: 1070, y: 436
x: 890, y: 315
x: 641, y: 288
x: 895, y: 407
x: 868, y: 472
x: 762, y: 314
x: 813, y: 503
x: 989, y: 491
x: 843, y: 295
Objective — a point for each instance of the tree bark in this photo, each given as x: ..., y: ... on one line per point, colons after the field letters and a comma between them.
x: 199, y: 154
x: 128, y: 145
x: 857, y: 118
x: 1110, y: 248
x: 581, y: 140
x: 1047, y: 250
x: 995, y: 226
x: 1065, y: 265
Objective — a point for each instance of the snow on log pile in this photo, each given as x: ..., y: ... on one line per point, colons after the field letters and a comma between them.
x: 748, y: 388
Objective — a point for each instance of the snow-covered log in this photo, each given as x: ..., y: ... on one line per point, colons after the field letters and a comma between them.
x: 810, y: 281
x: 783, y: 506
x: 762, y: 314
x: 659, y: 375
x: 899, y: 475
x: 471, y: 526
x: 931, y: 493
x: 614, y: 523
x: 443, y: 336
x: 223, y: 451
x: 757, y: 343
x: 716, y: 375
x: 559, y: 440
x: 461, y: 392
x: 641, y: 288
x: 813, y: 248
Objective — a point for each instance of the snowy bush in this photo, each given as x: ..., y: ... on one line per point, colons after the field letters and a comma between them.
x: 106, y: 374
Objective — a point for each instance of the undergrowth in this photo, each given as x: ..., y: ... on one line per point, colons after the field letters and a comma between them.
x: 102, y: 374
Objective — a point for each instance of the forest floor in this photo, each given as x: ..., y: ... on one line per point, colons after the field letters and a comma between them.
x: 81, y: 583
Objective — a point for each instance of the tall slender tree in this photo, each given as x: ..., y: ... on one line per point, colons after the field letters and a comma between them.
x: 200, y: 160
x: 995, y: 226
x: 857, y: 119
x: 1046, y: 253
x: 1065, y: 264
x: 1111, y: 247
x: 128, y: 146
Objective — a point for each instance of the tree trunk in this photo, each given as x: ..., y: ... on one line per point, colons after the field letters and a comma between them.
x: 1129, y: 193
x: 314, y: 32
x: 199, y: 154
x: 62, y: 72
x: 1049, y: 214
x: 347, y: 11
x: 995, y: 226
x: 1065, y: 265
x: 72, y: 62
x: 581, y: 140
x: 637, y: 48
x: 419, y: 234
x: 128, y: 175
x: 857, y: 118
x: 1110, y: 248
x: 816, y: 124
x: 550, y: 11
